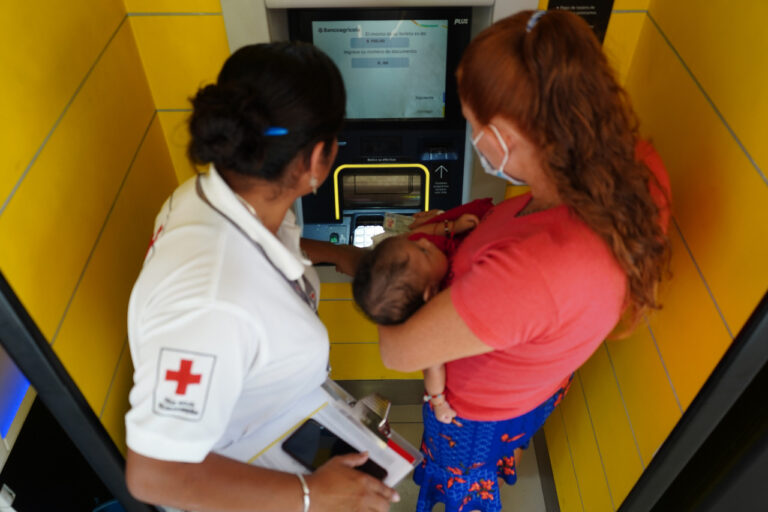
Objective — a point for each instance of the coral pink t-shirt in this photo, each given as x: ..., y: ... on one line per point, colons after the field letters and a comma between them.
x: 544, y: 291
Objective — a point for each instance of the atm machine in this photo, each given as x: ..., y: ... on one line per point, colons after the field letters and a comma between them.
x: 403, y: 146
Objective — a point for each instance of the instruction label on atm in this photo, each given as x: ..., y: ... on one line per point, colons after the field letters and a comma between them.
x: 595, y: 12
x: 440, y: 182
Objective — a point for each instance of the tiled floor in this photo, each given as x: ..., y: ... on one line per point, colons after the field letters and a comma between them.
x: 526, y: 495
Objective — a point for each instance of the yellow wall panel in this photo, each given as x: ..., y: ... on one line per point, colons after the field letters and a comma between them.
x: 719, y: 199
x: 176, y: 131
x: 90, y: 344
x: 647, y: 393
x: 595, y: 495
x: 689, y: 332
x: 568, y: 495
x: 725, y: 46
x: 514, y: 191
x: 346, y: 323
x: 113, y: 417
x: 621, y: 40
x: 56, y: 214
x: 180, y: 55
x: 192, y: 6
x: 361, y: 361
x: 611, y: 425
x: 45, y: 53
x: 335, y: 291
x: 619, y: 5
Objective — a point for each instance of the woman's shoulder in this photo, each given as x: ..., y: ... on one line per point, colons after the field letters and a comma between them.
x: 556, y: 242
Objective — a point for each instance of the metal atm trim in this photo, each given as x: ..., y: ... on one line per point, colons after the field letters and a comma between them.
x: 336, y: 201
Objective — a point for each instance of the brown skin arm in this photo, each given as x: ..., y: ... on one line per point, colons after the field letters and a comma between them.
x: 222, y: 484
x: 465, y: 222
x: 434, y: 335
x: 420, y: 218
x: 345, y: 257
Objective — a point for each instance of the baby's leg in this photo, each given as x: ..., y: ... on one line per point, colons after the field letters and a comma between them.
x: 434, y: 383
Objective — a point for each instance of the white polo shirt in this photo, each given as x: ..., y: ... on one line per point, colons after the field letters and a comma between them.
x: 221, y: 343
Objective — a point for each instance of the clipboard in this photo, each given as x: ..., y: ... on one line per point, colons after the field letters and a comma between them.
x: 363, y: 423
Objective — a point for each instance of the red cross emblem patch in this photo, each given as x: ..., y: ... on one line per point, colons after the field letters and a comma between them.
x: 183, y: 377
x: 182, y: 384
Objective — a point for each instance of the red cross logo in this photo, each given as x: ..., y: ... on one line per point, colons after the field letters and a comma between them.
x: 183, y: 377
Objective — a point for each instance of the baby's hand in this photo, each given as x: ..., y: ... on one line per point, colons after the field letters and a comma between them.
x: 465, y: 222
x: 443, y: 412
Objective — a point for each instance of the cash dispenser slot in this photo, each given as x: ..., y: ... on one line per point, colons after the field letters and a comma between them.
x: 391, y: 187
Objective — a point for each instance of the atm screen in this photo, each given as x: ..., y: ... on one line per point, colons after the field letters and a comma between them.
x: 392, y: 69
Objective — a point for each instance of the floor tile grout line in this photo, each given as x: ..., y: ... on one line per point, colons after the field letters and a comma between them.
x: 709, y: 100
x: 701, y: 275
x: 597, y: 443
x: 61, y: 116
x: 114, y: 376
x: 624, y: 404
x: 101, y: 231
x: 666, y: 370
x: 570, y: 453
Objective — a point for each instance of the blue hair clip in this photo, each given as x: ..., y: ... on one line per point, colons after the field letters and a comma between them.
x: 275, y: 131
x: 534, y: 19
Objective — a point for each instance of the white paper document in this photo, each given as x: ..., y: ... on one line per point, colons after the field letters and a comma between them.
x: 332, y: 407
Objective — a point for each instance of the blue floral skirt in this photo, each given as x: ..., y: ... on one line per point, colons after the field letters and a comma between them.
x: 464, y: 459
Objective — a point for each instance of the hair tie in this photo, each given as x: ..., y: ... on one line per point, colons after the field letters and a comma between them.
x: 275, y: 131
x: 534, y: 19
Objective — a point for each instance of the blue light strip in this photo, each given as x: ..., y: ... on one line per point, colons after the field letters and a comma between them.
x: 13, y: 389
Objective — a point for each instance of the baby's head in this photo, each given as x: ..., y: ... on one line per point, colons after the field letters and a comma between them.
x: 397, y: 277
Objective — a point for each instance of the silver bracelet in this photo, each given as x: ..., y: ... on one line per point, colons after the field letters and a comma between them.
x: 305, y: 489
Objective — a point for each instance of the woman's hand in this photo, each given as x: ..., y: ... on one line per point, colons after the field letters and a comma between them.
x: 336, y: 486
x: 348, y: 259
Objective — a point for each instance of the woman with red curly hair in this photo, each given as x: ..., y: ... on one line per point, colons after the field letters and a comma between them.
x: 546, y: 276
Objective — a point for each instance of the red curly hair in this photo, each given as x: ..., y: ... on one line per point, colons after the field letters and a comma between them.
x: 555, y: 84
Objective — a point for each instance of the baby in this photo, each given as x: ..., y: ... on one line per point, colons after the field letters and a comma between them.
x: 403, y: 272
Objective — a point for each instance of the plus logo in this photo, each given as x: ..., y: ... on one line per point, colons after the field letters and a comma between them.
x: 183, y: 382
x: 183, y: 377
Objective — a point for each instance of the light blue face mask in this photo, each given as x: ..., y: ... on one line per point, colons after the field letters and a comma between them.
x: 498, y: 172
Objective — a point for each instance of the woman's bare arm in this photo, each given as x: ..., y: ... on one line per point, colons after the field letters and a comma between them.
x: 344, y: 257
x: 222, y: 484
x: 434, y: 335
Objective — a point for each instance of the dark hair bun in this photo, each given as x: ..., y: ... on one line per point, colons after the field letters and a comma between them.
x: 289, y: 85
x: 223, y: 125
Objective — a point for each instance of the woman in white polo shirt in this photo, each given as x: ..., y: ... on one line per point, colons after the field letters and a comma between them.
x: 222, y: 322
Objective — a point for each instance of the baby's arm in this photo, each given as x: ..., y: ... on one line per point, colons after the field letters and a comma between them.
x: 434, y: 383
x: 465, y: 222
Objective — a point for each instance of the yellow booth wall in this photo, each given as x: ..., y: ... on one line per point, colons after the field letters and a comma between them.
x: 93, y: 91
x: 693, y: 72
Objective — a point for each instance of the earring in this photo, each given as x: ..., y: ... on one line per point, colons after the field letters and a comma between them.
x: 313, y: 184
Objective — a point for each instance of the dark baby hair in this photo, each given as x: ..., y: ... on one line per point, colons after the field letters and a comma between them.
x: 384, y: 284
x: 289, y: 85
